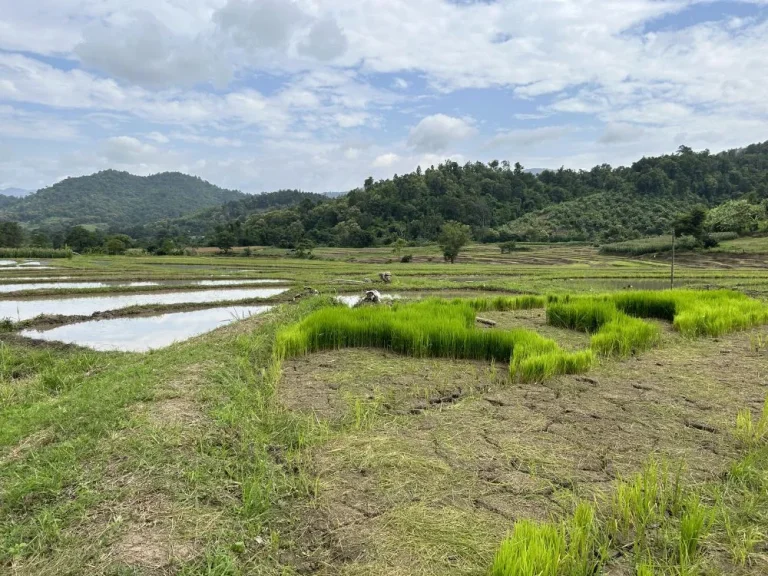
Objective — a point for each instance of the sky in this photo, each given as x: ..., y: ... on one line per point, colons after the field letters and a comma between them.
x: 260, y: 95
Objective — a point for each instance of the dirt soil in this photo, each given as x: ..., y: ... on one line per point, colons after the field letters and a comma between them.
x: 456, y: 452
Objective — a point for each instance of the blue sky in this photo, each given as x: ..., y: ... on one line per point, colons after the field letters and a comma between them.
x: 318, y: 94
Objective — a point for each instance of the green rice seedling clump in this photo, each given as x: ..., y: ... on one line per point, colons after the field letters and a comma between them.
x: 582, y: 314
x: 430, y: 328
x: 506, y: 303
x: 531, y: 549
x: 693, y: 313
x: 573, y: 547
x: 751, y: 433
x: 624, y: 336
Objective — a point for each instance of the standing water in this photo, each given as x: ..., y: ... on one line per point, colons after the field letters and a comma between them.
x: 147, y: 333
x: 26, y: 309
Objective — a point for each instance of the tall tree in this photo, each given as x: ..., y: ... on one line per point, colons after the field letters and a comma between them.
x: 453, y: 237
x: 11, y: 235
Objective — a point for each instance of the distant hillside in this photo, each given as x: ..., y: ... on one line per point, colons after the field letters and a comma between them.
x: 500, y: 201
x: 605, y: 216
x: 205, y: 221
x: 7, y: 201
x: 15, y: 192
x: 117, y: 199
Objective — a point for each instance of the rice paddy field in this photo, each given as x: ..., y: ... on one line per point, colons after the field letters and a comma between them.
x: 545, y: 412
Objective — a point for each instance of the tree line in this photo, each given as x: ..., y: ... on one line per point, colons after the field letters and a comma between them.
x: 502, y: 202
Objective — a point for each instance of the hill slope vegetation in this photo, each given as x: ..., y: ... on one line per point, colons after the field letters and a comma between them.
x: 503, y: 202
x: 116, y: 200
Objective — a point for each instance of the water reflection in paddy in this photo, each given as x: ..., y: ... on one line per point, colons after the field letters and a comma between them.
x: 6, y: 288
x: 26, y: 309
x: 146, y: 333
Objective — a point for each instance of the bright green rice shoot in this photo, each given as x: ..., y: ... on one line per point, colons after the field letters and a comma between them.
x: 436, y: 328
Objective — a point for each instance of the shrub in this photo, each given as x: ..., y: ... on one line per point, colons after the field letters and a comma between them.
x: 507, y: 247
x: 407, y: 258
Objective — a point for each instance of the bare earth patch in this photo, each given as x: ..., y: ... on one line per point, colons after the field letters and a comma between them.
x: 150, y: 537
x: 434, y: 491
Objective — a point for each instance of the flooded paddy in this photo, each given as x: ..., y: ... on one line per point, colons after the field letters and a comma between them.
x: 18, y: 310
x: 9, y: 288
x: 146, y: 333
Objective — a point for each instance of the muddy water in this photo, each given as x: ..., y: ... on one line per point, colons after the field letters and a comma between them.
x: 26, y: 309
x: 6, y: 288
x: 147, y: 333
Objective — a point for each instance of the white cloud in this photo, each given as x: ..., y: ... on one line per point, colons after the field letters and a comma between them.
x: 400, y: 84
x: 15, y: 123
x: 216, y: 141
x: 530, y: 137
x: 128, y: 150
x: 158, y: 137
x: 144, y: 51
x: 326, y: 41
x: 437, y: 132
x: 304, y: 79
x: 385, y: 160
x: 260, y: 24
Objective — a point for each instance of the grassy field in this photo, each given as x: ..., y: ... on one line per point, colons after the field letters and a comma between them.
x: 595, y: 429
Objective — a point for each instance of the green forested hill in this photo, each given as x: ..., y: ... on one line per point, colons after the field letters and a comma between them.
x: 7, y: 201
x: 206, y: 221
x: 502, y: 202
x: 116, y: 199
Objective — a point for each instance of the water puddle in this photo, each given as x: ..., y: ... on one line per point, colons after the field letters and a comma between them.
x: 146, y: 333
x: 7, y: 288
x: 26, y: 309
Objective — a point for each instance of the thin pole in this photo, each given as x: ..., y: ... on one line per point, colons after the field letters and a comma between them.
x: 672, y: 276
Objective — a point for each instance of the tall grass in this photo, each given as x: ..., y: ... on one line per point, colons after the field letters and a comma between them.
x: 35, y: 253
x: 430, y: 328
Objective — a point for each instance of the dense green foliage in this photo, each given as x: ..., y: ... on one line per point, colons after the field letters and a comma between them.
x: 453, y: 237
x: 7, y: 201
x: 230, y: 215
x: 11, y: 235
x: 500, y: 202
x: 737, y: 216
x: 116, y: 199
